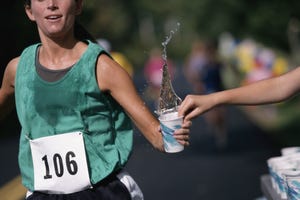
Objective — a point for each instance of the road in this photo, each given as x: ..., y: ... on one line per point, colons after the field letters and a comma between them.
x: 201, y: 171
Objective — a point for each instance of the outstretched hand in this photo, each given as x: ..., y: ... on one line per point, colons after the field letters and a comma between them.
x: 194, y: 105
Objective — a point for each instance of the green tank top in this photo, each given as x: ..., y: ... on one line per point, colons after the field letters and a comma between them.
x: 73, y: 103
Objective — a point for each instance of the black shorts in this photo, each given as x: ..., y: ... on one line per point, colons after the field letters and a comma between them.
x: 111, y: 188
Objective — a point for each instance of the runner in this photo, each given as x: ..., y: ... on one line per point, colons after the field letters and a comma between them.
x: 70, y: 95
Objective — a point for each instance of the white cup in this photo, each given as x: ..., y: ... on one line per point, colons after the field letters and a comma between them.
x: 290, y: 150
x: 170, y: 122
x: 292, y: 184
x: 280, y: 165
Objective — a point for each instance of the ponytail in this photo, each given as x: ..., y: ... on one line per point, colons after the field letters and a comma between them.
x: 27, y: 3
x: 82, y: 34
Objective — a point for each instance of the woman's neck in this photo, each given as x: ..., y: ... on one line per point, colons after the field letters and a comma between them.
x: 58, y: 54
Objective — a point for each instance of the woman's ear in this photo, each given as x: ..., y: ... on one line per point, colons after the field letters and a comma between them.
x: 29, y: 13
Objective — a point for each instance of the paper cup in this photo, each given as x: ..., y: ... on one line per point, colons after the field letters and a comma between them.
x: 280, y: 165
x: 290, y: 150
x: 169, y: 123
x: 292, y: 184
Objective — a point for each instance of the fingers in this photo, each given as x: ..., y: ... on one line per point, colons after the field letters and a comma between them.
x: 184, y: 143
x: 186, y: 123
x: 191, y: 107
x: 183, y: 139
x: 186, y: 105
x: 193, y: 114
x: 182, y: 136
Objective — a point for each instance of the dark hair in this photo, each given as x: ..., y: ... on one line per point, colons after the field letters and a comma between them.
x: 82, y: 34
x: 27, y: 2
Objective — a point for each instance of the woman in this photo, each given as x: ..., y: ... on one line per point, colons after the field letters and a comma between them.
x: 70, y: 96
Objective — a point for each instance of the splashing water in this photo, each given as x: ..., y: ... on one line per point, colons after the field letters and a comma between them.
x: 168, y: 99
x: 166, y: 42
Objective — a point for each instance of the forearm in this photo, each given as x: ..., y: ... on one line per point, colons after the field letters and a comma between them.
x: 143, y: 119
x: 263, y: 92
x: 6, y: 105
x: 148, y: 125
x: 7, y: 90
x: 254, y: 94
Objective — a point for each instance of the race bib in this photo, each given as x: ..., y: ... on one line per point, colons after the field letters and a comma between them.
x: 60, y: 164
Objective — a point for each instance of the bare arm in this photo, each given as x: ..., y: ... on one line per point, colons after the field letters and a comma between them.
x: 113, y: 79
x: 7, y: 100
x: 267, y: 91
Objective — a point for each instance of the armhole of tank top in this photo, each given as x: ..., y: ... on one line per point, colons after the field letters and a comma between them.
x: 101, y: 52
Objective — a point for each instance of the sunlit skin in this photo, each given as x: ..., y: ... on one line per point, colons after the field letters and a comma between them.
x: 60, y: 49
x: 55, y: 18
x: 267, y: 91
x: 55, y: 21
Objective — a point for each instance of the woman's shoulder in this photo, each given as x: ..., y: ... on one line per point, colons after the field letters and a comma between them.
x: 13, y: 63
x: 10, y: 71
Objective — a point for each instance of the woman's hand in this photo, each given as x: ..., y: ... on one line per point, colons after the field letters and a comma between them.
x: 195, y: 105
x: 182, y: 135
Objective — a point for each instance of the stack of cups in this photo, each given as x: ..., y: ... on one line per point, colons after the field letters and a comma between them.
x: 284, y: 171
x: 277, y: 166
x: 292, y: 184
x: 169, y: 122
x: 289, y: 151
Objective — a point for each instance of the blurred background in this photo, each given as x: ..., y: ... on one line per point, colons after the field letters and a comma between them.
x: 220, y: 44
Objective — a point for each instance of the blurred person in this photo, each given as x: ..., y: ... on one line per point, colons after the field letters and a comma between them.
x: 153, y: 73
x: 211, y: 74
x: 117, y: 56
x: 263, y: 60
x: 74, y: 104
x: 258, y: 73
x: 212, y: 82
x: 203, y: 70
x: 194, y: 65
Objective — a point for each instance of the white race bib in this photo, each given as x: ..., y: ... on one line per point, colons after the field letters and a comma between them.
x: 60, y: 164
